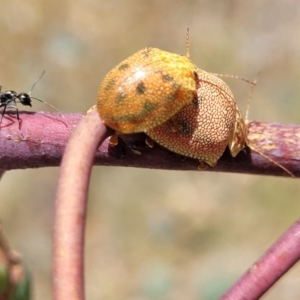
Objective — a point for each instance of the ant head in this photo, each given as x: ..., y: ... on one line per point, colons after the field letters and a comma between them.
x: 25, y: 99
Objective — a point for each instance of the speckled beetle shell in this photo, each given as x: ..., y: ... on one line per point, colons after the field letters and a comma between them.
x: 145, y: 90
x: 203, y: 128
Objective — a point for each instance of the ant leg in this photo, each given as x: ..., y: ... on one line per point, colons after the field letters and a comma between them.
x: 18, y: 117
x: 14, y: 106
x: 3, y: 112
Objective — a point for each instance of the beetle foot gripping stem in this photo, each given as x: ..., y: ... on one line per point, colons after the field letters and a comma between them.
x: 202, y: 165
x: 114, y: 140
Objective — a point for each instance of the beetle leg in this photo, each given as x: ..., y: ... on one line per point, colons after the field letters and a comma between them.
x: 149, y: 142
x: 202, y: 165
x: 113, y: 140
x: 175, y: 126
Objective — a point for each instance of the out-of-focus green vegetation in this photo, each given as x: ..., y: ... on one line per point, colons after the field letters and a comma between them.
x: 154, y: 234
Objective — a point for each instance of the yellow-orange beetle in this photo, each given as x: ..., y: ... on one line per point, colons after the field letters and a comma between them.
x: 145, y: 90
x: 185, y: 109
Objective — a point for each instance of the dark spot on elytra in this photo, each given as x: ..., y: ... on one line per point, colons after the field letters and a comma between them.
x: 167, y: 77
x: 123, y: 67
x: 110, y: 85
x: 195, y: 102
x: 170, y: 98
x: 140, y: 88
x: 176, y: 86
x: 173, y: 96
x: 120, y: 98
x: 146, y: 52
x: 185, y: 128
x: 148, y: 108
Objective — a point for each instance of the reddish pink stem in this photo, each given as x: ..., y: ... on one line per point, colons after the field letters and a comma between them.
x: 283, y: 254
x: 43, y: 136
x: 70, y: 207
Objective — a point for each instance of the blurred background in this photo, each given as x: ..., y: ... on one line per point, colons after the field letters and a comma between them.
x: 154, y: 234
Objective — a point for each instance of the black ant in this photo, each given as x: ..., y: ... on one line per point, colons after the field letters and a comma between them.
x: 9, y: 100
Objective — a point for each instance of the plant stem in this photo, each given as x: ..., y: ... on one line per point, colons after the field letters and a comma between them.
x: 70, y: 207
x: 43, y: 137
x: 276, y: 261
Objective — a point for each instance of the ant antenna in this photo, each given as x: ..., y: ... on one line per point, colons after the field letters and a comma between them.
x: 36, y: 83
x: 187, y: 42
x: 48, y: 105
x: 40, y: 99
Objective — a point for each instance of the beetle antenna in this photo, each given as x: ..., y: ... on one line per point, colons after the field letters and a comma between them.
x: 236, y: 77
x: 36, y: 83
x: 248, y: 143
x: 187, y: 42
x: 250, y: 97
x: 46, y: 103
x: 40, y: 99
